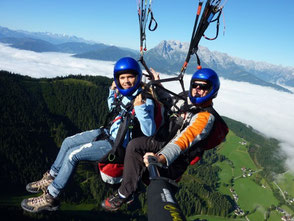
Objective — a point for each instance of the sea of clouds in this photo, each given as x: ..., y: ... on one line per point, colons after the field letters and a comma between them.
x: 265, y: 109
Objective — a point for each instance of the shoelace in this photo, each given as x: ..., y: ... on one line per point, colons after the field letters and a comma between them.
x: 43, y: 181
x: 39, y: 200
x: 115, y: 199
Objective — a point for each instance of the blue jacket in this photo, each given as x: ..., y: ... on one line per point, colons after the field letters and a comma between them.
x: 144, y: 113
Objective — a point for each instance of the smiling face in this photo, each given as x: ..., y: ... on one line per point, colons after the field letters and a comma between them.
x: 127, y: 80
x: 200, y: 88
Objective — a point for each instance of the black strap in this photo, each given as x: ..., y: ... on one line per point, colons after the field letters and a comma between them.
x: 210, y: 9
x: 211, y: 110
x: 152, y: 20
x: 117, y: 152
x: 114, y: 112
x: 143, y: 12
x: 217, y: 27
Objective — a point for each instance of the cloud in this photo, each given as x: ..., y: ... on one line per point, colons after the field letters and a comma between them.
x: 50, y: 64
x: 265, y: 109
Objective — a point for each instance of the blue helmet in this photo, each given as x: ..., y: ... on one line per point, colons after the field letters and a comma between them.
x: 127, y: 65
x: 209, y: 76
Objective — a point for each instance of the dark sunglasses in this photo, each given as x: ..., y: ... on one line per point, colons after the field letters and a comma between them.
x: 201, y: 86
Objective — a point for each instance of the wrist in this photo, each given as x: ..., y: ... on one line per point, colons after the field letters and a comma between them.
x: 161, y: 159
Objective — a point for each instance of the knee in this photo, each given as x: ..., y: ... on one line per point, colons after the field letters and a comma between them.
x: 66, y: 143
x: 132, y: 145
x: 135, y: 146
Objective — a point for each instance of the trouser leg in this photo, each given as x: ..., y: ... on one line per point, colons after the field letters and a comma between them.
x: 69, y: 143
x: 133, y: 162
x: 93, y: 151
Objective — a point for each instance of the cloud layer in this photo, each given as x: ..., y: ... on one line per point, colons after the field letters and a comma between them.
x: 265, y: 109
x: 49, y: 64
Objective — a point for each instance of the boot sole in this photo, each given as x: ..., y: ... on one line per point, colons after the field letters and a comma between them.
x: 33, y: 191
x: 115, y: 209
x: 25, y: 207
x: 51, y: 209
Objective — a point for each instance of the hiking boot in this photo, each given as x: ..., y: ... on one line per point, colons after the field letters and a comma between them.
x: 40, y: 185
x: 40, y: 203
x: 114, y: 202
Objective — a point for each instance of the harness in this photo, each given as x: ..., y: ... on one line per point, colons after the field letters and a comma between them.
x: 111, y: 166
x: 126, y: 126
x: 216, y: 136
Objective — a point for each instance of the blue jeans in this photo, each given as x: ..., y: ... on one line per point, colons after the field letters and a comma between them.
x: 74, y: 149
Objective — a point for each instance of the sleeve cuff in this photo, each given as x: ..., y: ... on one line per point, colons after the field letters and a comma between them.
x: 170, y: 152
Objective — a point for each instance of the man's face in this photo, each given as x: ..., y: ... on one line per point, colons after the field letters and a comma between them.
x: 127, y: 80
x: 200, y: 88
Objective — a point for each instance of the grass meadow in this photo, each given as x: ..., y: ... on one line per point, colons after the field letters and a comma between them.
x: 252, y: 197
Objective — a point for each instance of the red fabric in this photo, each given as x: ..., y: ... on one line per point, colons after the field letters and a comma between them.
x: 217, y: 135
x: 113, y: 170
x: 195, y: 160
x: 158, y: 116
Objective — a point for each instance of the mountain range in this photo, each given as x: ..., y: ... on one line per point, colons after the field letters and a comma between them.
x: 167, y: 57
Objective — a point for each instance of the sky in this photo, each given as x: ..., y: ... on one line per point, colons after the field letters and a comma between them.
x: 240, y: 101
x: 259, y: 30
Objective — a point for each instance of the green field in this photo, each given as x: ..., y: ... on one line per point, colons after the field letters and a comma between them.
x: 285, y: 181
x: 237, y: 153
x: 253, y: 198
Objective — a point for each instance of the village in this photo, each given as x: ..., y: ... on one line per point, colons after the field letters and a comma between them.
x: 247, y: 172
x: 239, y: 212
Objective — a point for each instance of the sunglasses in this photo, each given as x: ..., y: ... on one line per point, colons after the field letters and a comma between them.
x: 201, y: 86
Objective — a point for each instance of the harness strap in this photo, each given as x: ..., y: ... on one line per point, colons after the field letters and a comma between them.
x: 210, y: 9
x: 143, y: 12
x: 114, y: 111
x: 125, y: 125
x: 152, y: 20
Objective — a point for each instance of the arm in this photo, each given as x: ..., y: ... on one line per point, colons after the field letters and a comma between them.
x: 155, y: 74
x: 111, y: 95
x: 145, y: 114
x: 164, y: 95
x: 197, y: 130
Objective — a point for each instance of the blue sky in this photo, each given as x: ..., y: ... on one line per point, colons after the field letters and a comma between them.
x: 260, y: 30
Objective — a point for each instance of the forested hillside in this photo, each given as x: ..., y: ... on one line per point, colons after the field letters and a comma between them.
x: 264, y: 151
x: 37, y: 114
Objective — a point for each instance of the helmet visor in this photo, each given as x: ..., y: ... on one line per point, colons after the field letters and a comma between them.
x: 201, y: 86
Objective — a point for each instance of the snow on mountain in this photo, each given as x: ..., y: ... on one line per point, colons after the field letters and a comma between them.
x: 45, y: 36
x: 167, y: 57
x: 223, y: 62
x: 171, y: 49
x: 55, y: 38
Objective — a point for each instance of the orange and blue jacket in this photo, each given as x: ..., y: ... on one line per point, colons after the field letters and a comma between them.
x: 198, y: 129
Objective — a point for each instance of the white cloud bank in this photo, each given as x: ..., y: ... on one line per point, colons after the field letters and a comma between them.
x: 49, y: 64
x: 265, y: 109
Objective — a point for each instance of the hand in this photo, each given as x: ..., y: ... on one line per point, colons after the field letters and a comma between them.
x: 139, y: 100
x: 113, y: 86
x: 145, y: 158
x: 160, y: 158
x: 155, y: 74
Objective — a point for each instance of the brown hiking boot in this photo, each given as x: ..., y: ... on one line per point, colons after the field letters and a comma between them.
x: 40, y: 185
x: 40, y: 203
